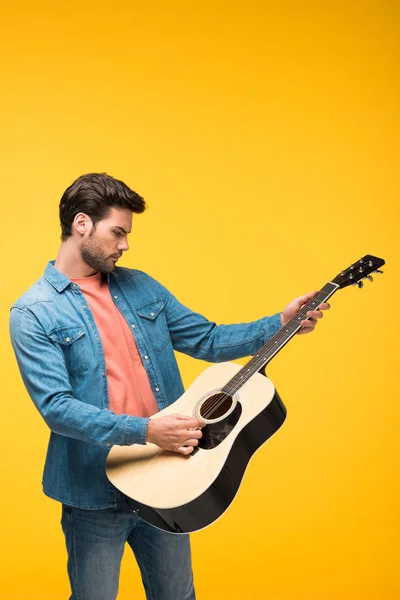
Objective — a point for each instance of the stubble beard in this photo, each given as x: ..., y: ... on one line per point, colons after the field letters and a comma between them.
x: 94, y: 256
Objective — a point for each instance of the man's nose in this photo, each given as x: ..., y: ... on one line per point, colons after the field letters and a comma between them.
x: 123, y: 245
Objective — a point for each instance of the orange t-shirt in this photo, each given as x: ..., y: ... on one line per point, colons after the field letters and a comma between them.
x: 128, y: 384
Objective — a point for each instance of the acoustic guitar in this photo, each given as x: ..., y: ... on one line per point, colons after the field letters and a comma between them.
x: 242, y: 410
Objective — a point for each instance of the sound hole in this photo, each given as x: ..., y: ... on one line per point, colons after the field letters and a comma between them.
x: 216, y: 406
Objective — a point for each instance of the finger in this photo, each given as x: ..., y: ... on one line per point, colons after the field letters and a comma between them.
x: 315, y: 314
x: 182, y: 417
x: 191, y: 442
x: 184, y: 449
x: 307, y: 327
x: 324, y: 306
x: 308, y: 324
x: 303, y: 299
x: 191, y: 422
x: 194, y: 433
x: 186, y: 435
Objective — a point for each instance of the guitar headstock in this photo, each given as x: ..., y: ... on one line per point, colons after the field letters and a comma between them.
x: 360, y: 270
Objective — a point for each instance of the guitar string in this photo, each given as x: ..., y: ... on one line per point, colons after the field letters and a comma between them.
x: 279, y: 335
x: 222, y: 396
x: 257, y: 364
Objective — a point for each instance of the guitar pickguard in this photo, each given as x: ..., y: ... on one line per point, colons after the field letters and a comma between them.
x: 215, y: 433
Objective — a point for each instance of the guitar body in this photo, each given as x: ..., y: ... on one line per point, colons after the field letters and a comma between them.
x: 182, y: 494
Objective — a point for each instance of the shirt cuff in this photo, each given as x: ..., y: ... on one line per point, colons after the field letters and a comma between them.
x: 136, y: 430
x: 273, y: 325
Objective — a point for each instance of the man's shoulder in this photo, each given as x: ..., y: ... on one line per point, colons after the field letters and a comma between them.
x: 40, y: 291
x: 141, y: 284
x: 123, y: 274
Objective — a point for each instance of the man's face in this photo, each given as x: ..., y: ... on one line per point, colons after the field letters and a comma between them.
x: 104, y: 244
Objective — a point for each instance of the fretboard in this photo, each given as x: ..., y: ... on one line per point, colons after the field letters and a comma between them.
x: 276, y: 343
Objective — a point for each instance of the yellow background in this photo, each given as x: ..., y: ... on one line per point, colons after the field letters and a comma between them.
x: 264, y: 138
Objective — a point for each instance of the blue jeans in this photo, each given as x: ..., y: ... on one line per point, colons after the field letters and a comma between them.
x: 95, y: 542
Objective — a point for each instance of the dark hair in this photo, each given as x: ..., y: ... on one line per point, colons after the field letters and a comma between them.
x: 94, y: 194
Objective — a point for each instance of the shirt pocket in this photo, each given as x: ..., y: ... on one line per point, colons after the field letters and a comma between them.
x: 154, y: 323
x: 73, y: 343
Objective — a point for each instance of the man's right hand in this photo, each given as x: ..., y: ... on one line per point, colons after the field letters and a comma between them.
x: 177, y: 433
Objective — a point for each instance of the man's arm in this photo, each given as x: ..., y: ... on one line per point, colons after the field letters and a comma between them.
x: 195, y: 335
x: 44, y: 373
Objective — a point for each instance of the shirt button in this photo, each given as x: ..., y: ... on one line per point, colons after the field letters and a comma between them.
x: 102, y: 373
x: 83, y: 305
x: 116, y: 297
x: 157, y: 389
x: 108, y: 445
x: 74, y: 285
x: 67, y: 339
x: 97, y: 340
x: 152, y: 314
x: 146, y: 357
x: 133, y: 326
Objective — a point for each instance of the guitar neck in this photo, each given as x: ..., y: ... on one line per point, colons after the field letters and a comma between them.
x: 276, y: 343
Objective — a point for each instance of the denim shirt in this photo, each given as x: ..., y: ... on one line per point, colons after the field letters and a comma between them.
x: 61, y: 359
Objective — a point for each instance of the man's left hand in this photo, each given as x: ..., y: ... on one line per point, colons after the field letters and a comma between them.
x: 296, y: 304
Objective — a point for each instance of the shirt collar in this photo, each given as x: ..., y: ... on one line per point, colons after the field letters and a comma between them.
x: 58, y: 280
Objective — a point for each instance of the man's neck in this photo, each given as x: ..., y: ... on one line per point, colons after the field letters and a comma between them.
x: 70, y: 262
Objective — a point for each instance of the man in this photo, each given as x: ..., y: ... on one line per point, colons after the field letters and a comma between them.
x: 95, y: 346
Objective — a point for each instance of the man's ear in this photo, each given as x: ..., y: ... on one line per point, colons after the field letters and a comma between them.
x: 81, y: 223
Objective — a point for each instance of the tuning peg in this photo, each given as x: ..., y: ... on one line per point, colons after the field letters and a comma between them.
x: 378, y: 271
x: 360, y: 284
x: 370, y: 278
